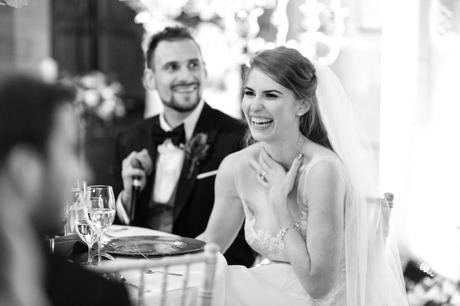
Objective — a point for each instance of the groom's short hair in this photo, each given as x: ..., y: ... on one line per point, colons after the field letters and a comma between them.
x: 174, y: 33
x: 27, y: 107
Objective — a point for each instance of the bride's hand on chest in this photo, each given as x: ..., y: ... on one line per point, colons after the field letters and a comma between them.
x: 275, y: 179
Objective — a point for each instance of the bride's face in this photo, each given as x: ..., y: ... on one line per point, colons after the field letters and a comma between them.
x: 269, y: 108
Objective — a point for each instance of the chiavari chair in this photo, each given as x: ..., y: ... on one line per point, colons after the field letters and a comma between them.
x: 205, y: 292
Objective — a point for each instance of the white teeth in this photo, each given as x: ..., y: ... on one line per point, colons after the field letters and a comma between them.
x: 185, y: 88
x: 261, y: 121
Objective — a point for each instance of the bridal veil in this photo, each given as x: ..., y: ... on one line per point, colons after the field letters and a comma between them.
x: 373, y: 268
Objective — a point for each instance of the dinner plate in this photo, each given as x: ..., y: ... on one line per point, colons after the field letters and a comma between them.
x: 153, y: 246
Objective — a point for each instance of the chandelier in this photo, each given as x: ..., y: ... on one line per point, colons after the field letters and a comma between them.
x: 14, y: 3
x: 323, y: 22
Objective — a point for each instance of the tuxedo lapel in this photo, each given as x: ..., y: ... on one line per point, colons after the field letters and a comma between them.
x: 152, y: 147
x: 209, y: 125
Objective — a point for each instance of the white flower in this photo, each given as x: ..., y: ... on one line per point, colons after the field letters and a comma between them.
x: 120, y: 109
x: 106, y: 109
x: 91, y: 97
x: 96, y: 96
x: 116, y: 87
x: 107, y: 93
x: 88, y: 81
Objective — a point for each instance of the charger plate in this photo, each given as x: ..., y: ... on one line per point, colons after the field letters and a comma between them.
x: 153, y: 246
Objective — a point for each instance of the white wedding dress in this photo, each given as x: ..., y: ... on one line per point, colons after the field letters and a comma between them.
x: 275, y: 283
x: 369, y: 272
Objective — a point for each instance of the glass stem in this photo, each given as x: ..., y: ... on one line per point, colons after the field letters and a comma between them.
x: 51, y: 239
x: 99, y: 250
x: 90, y: 255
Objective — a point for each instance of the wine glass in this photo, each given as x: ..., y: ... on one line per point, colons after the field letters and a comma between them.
x: 70, y: 210
x: 85, y: 229
x: 100, y: 202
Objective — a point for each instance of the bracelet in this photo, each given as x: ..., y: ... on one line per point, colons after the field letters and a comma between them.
x: 284, y: 230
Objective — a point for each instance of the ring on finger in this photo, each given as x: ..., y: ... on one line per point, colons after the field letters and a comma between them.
x: 262, y: 176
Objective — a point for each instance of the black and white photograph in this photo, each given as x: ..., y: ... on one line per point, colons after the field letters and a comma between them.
x: 229, y: 153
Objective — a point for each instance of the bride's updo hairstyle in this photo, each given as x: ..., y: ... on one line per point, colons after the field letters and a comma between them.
x: 292, y: 70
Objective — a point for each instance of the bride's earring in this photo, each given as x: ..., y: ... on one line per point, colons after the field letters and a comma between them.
x: 303, y: 109
x: 300, y: 113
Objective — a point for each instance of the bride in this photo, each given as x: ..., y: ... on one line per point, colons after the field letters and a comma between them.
x: 304, y: 188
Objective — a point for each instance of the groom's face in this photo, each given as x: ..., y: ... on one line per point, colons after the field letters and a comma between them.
x: 178, y: 74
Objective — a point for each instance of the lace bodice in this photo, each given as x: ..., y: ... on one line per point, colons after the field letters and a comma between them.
x: 254, y: 200
x: 266, y: 244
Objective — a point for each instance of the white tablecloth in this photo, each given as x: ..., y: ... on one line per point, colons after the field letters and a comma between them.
x: 153, y: 281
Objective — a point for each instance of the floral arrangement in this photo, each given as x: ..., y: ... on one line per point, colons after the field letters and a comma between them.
x: 434, y: 292
x: 97, y: 96
x: 425, y: 288
x: 196, y: 150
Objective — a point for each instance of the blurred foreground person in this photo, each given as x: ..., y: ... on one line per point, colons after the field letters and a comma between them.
x: 38, y: 166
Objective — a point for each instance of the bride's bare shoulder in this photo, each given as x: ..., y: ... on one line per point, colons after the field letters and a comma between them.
x: 321, y: 162
x: 319, y: 153
x: 239, y: 160
x: 243, y: 156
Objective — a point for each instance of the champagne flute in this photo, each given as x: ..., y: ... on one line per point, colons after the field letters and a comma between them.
x: 85, y: 230
x: 101, y: 210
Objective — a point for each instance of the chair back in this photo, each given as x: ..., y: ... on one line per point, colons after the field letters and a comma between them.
x: 205, y: 291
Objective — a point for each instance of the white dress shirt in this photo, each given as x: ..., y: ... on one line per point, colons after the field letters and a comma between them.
x: 170, y: 160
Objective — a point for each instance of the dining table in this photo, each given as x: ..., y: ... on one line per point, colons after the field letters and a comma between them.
x: 154, y: 277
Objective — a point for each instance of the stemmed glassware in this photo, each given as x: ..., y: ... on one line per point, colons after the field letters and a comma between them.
x: 69, y: 214
x: 100, y: 206
x: 70, y: 210
x: 85, y: 229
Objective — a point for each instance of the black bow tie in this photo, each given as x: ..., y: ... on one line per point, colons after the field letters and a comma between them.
x: 177, y: 135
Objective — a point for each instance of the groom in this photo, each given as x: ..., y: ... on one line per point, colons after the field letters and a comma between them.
x: 175, y: 155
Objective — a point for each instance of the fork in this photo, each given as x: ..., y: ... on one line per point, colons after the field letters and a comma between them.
x: 150, y: 271
x: 125, y: 281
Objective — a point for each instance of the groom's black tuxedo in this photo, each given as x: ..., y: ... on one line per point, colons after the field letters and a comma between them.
x: 194, y: 197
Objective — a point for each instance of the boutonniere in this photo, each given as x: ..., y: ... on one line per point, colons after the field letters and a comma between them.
x: 196, y: 150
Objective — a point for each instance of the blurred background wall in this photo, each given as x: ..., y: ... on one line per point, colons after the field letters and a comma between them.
x: 25, y: 36
x: 419, y: 127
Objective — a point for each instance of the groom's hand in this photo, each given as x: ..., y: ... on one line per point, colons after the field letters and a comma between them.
x: 131, y: 169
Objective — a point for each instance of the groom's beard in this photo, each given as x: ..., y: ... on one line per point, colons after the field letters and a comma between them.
x: 192, y: 102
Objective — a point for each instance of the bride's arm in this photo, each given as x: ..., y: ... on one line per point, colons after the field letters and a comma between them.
x: 316, y: 260
x: 227, y: 214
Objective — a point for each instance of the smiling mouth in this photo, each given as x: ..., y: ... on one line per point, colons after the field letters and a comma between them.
x: 261, y: 122
x: 185, y: 88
